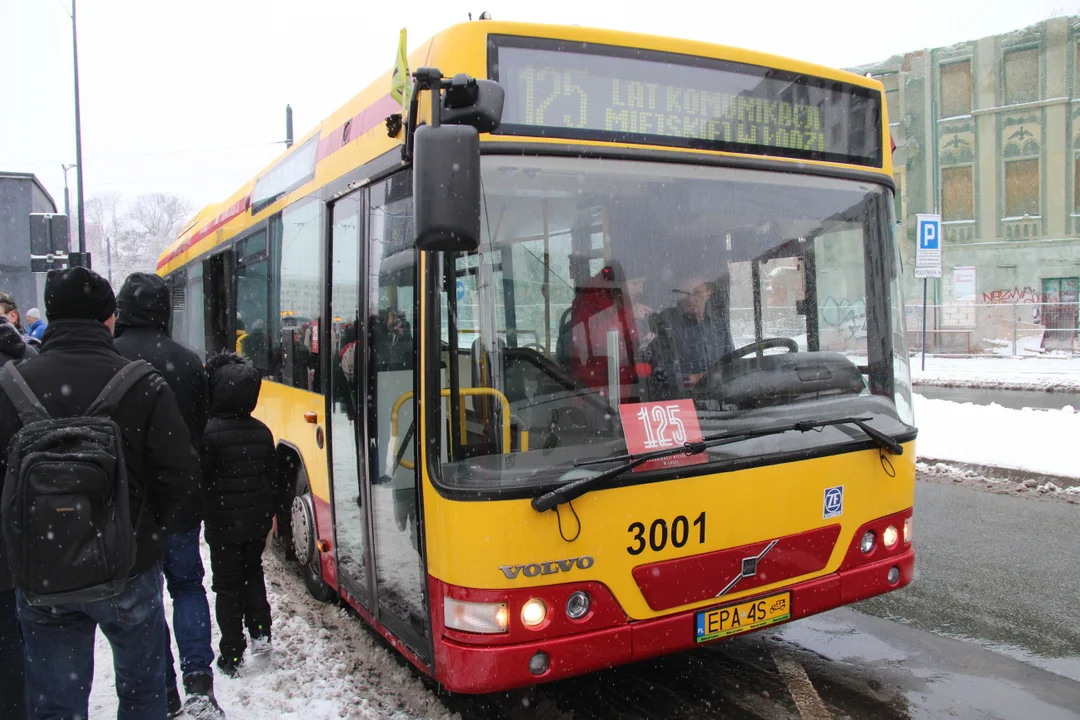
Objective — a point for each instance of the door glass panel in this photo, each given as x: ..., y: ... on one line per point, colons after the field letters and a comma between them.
x: 300, y: 295
x: 345, y: 396
x: 252, y: 292
x: 390, y: 362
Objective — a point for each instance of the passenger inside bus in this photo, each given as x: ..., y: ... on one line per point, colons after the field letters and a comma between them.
x: 392, y: 340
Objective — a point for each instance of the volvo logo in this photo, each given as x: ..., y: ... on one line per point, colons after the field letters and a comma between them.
x: 749, y: 568
x: 547, y: 568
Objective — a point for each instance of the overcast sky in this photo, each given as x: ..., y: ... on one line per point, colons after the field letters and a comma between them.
x: 188, y: 97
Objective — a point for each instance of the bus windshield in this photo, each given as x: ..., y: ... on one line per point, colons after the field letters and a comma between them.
x: 754, y: 295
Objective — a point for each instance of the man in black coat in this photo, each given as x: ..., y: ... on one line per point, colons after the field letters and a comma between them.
x: 76, y: 361
x: 12, y: 685
x: 144, y: 311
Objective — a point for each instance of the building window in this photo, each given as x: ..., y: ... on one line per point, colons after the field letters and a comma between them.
x: 1022, y: 188
x: 956, y: 89
x: 957, y: 193
x: 892, y: 106
x: 1021, y: 76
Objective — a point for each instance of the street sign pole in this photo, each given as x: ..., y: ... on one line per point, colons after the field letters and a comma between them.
x: 927, y: 262
x: 924, y: 281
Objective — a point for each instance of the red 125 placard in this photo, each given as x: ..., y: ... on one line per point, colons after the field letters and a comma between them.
x: 661, y: 426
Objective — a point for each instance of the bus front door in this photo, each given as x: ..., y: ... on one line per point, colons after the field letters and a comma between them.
x: 349, y: 487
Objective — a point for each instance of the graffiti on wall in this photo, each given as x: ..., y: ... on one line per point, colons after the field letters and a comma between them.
x: 847, y: 316
x: 1008, y: 296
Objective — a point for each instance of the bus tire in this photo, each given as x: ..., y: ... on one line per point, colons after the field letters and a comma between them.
x: 303, y: 540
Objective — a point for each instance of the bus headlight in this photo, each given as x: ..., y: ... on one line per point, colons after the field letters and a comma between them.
x: 869, y: 539
x: 578, y: 604
x: 475, y: 617
x: 890, y: 537
x: 907, y: 531
x: 534, y: 612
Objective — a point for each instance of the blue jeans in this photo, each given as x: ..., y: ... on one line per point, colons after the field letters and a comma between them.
x: 191, y: 612
x: 60, y: 652
x: 12, y: 684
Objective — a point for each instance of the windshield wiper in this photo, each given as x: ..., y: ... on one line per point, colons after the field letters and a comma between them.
x: 578, y: 487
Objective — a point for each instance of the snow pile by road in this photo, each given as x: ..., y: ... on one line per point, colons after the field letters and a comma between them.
x: 1039, y: 441
x: 325, y: 665
x: 1041, y: 373
x: 1007, y: 485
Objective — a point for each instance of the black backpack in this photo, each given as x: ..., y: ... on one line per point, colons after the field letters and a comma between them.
x: 65, y: 511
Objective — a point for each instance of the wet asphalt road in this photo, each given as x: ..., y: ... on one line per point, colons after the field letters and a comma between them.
x: 1003, y: 570
x: 987, y: 630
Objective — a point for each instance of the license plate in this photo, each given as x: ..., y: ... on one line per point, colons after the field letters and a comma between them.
x: 733, y: 619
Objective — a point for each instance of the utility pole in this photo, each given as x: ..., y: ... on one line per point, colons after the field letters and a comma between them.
x: 67, y: 202
x: 288, y: 127
x: 78, y: 137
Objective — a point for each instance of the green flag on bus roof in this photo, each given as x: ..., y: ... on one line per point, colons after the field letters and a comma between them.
x: 400, y: 86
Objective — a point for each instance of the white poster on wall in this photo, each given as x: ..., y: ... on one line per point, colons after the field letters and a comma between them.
x: 964, y: 284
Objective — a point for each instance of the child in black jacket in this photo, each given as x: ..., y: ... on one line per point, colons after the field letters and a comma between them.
x: 238, y: 468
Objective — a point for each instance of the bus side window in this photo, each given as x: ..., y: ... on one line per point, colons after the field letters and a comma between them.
x: 300, y: 295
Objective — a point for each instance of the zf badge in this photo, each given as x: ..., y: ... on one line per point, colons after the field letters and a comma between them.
x: 834, y: 502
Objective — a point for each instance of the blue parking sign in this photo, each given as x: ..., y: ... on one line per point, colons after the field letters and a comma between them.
x: 929, y: 232
x: 928, y: 248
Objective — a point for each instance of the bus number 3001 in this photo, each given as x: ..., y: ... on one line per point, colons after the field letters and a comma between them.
x: 658, y: 534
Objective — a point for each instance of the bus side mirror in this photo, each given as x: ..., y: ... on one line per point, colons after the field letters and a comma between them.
x: 446, y: 187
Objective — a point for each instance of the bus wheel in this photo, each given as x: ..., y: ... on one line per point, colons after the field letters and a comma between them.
x: 303, y: 540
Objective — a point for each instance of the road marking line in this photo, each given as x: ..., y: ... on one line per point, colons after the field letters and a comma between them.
x: 802, y: 690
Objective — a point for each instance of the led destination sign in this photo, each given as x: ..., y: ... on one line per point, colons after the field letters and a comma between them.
x: 577, y: 91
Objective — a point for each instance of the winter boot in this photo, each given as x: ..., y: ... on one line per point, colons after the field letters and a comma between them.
x: 173, y: 700
x: 201, y: 704
x: 230, y: 665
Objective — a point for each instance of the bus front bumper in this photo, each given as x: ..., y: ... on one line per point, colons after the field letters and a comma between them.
x: 464, y: 668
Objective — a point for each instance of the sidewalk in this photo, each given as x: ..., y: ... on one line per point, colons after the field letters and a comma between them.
x: 1006, y: 373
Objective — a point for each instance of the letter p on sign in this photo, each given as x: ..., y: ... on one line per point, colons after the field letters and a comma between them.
x: 929, y: 233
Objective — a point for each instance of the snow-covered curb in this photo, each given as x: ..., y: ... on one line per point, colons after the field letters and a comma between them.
x: 986, y: 382
x: 1003, y: 484
x: 1060, y: 374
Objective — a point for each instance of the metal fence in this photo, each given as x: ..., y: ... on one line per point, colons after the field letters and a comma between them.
x: 1023, y: 329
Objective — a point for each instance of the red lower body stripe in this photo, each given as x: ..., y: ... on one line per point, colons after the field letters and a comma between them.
x: 466, y: 668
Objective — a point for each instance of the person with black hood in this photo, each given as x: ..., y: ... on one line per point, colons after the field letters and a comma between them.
x: 12, y: 681
x: 238, y: 469
x: 144, y: 312
x: 76, y: 361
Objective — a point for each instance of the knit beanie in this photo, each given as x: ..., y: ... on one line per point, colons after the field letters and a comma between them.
x: 78, y: 293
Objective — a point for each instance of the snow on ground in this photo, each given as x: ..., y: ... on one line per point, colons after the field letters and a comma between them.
x: 325, y: 664
x: 1018, y: 373
x: 1039, y: 441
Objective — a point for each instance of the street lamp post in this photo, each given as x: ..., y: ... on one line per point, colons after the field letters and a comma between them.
x: 108, y: 255
x: 78, y: 137
x: 67, y: 201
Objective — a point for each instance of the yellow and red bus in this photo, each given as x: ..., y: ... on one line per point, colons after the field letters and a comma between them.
x: 592, y: 352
